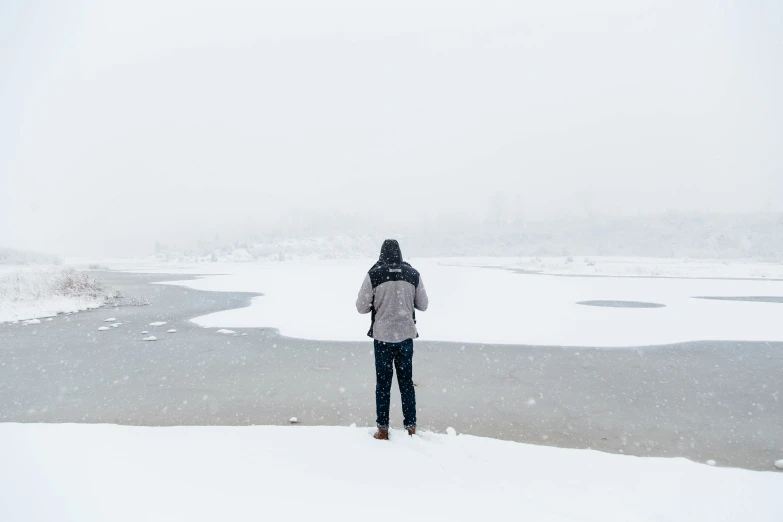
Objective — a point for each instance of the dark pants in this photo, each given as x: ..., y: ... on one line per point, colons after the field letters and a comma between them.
x: 401, y: 354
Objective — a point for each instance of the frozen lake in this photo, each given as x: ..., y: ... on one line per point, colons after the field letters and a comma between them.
x: 702, y: 400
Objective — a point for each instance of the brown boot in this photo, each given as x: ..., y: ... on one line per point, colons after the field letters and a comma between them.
x: 381, y: 434
x: 412, y: 430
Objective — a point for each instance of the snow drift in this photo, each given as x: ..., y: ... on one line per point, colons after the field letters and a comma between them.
x: 87, y: 473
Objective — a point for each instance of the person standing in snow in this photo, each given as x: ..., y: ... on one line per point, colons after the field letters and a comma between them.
x: 393, y: 290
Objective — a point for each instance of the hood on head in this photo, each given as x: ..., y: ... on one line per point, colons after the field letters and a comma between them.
x: 390, y: 253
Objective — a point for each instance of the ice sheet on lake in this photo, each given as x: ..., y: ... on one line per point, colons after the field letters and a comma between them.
x: 315, y: 300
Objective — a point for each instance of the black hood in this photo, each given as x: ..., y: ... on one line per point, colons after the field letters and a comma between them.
x: 390, y: 253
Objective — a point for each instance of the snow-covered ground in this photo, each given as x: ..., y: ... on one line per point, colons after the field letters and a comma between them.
x: 631, y: 266
x: 471, y: 303
x: 85, y: 473
x: 28, y: 292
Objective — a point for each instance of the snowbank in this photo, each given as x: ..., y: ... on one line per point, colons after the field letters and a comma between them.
x: 102, y: 472
x: 27, y: 292
x: 315, y: 300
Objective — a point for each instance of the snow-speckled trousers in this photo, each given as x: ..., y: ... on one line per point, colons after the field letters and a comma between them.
x: 401, y: 356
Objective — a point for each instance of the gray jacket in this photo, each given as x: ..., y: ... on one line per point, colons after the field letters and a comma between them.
x: 392, y: 290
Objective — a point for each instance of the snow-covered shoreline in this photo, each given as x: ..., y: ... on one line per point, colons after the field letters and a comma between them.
x: 37, y: 291
x: 576, y: 265
x: 652, y: 267
x: 105, y: 472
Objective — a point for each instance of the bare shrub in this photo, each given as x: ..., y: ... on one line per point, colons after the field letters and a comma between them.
x: 29, y: 286
x: 137, y: 301
x: 117, y: 299
x: 70, y: 283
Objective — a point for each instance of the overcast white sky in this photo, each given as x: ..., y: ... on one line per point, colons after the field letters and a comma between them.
x: 125, y: 122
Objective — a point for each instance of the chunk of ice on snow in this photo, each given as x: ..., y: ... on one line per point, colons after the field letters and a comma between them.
x: 50, y: 319
x: 451, y: 431
x: 144, y: 332
x: 150, y: 338
x: 224, y: 331
x: 158, y: 323
x: 779, y: 463
x: 115, y: 325
x: 103, y: 328
x: 293, y: 420
x: 110, y: 320
x: 173, y: 330
x: 711, y: 462
x: 31, y: 321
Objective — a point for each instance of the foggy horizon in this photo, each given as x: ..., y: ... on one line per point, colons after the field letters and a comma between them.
x: 125, y: 125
